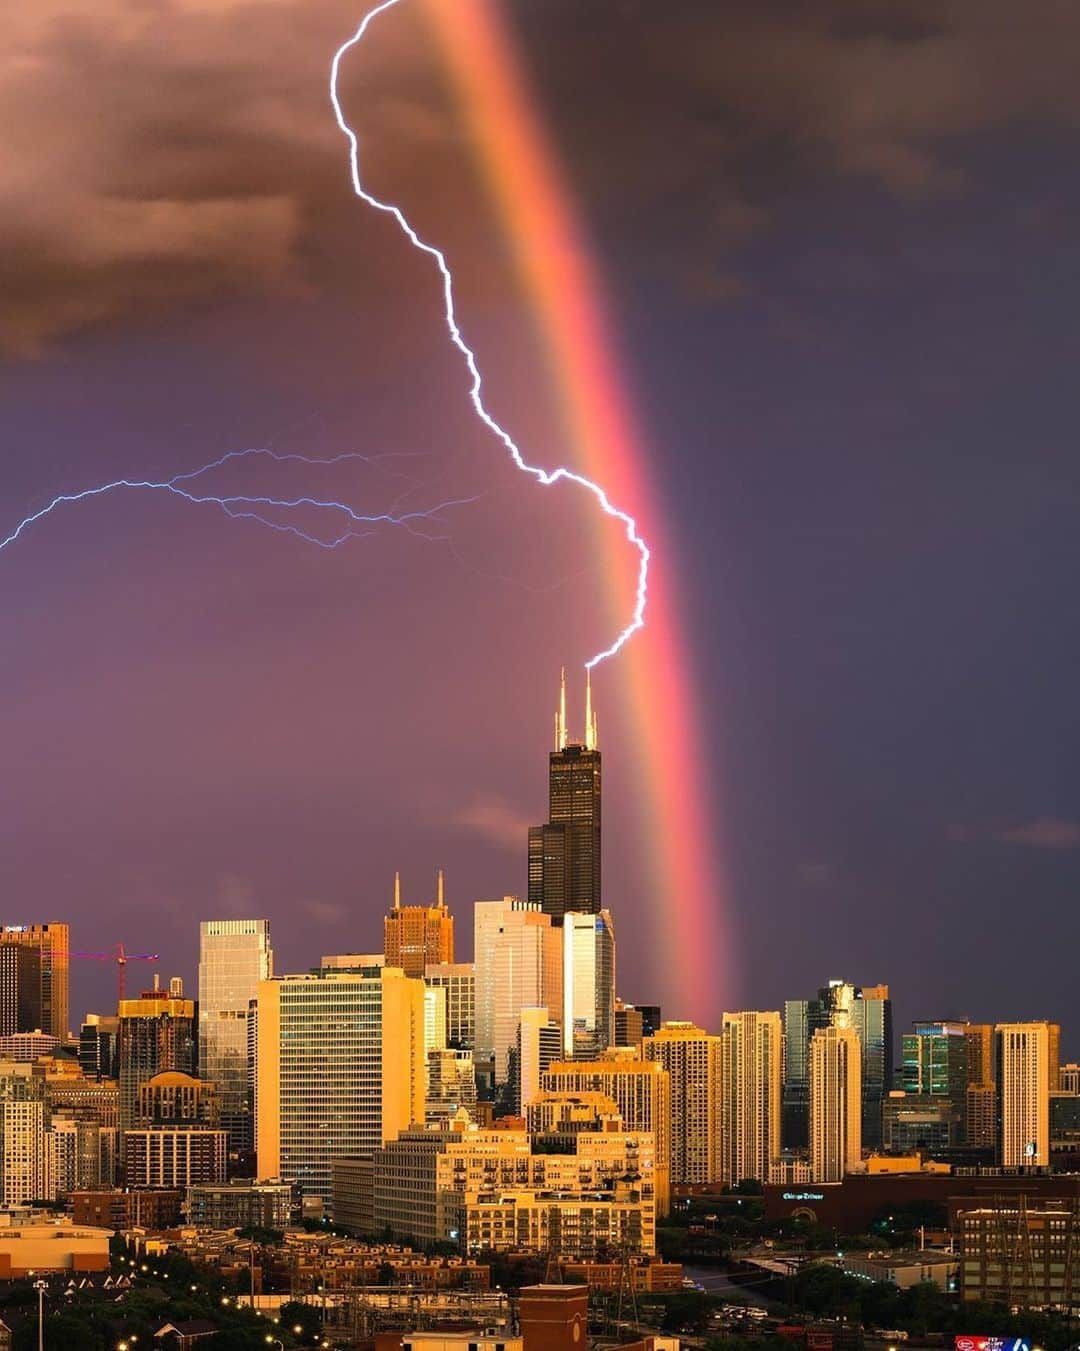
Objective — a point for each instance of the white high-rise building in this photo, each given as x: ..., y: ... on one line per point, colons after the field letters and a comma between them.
x: 588, y: 980
x: 1027, y: 1073
x: 234, y: 956
x: 835, y: 1103
x: 750, y: 1078
x: 23, y: 1145
x: 341, y: 1069
x: 518, y: 965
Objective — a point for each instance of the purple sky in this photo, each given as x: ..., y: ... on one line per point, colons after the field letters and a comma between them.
x: 844, y: 262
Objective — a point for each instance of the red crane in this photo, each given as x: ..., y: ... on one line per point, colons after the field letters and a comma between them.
x: 121, y: 957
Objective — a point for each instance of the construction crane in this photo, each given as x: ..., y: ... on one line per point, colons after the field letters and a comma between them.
x: 121, y: 957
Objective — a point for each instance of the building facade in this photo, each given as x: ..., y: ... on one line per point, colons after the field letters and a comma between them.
x: 240, y: 1205
x: 835, y: 1103
x: 641, y: 1089
x: 1027, y: 1057
x: 156, y: 1032
x: 564, y: 855
x: 174, y: 1157
x: 518, y: 965
x: 751, y: 1070
x: 692, y: 1059
x: 20, y: 989
x: 491, y: 1190
x: 341, y: 1069
x: 52, y: 942
x: 458, y: 979
x: 1021, y: 1254
x: 588, y: 982
x: 234, y: 956
x: 418, y: 936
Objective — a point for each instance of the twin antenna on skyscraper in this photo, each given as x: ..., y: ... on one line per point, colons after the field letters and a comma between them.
x: 562, y: 740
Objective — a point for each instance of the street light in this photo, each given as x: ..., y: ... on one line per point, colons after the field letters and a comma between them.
x: 41, y: 1287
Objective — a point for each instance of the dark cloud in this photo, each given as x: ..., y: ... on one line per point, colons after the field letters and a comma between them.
x: 161, y: 156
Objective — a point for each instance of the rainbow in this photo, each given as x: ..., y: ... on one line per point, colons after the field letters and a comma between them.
x: 686, y: 892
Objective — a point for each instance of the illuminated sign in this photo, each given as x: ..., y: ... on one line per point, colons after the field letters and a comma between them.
x: 992, y: 1344
x: 818, y: 1196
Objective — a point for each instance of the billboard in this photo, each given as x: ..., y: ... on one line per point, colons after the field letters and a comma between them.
x: 968, y: 1343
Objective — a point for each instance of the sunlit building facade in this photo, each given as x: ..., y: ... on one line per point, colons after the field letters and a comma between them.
x: 751, y: 1064
x: 157, y: 1032
x: 641, y: 1089
x: 1028, y: 1055
x: 692, y: 1059
x: 518, y: 965
x: 341, y: 1069
x: 835, y: 1103
x: 234, y: 956
x: 418, y: 936
x: 52, y: 943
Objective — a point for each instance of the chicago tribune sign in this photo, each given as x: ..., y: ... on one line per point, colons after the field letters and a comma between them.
x: 818, y: 1196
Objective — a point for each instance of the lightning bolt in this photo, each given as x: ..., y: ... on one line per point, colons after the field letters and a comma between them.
x: 252, y: 507
x: 545, y: 476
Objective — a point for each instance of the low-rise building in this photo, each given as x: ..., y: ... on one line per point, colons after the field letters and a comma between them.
x: 646, y: 1275
x: 239, y: 1205
x: 52, y: 1246
x: 904, y: 1269
x: 1020, y: 1254
x: 126, y: 1209
x: 306, y: 1262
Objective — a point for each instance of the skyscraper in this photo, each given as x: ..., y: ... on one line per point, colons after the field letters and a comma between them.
x: 935, y: 1059
x: 867, y: 1009
x: 341, y: 1069
x: 53, y: 943
x: 234, y: 956
x: 588, y: 1010
x: 692, y: 1059
x: 980, y: 1108
x: 20, y: 989
x: 157, y: 1032
x: 564, y: 854
x: 1028, y: 1055
x: 835, y: 1103
x: 872, y: 1020
x: 751, y: 1054
x: 417, y: 936
x: 802, y: 1018
x: 98, y: 1040
x: 518, y: 965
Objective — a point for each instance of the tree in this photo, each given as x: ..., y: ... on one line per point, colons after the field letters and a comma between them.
x: 295, y: 1314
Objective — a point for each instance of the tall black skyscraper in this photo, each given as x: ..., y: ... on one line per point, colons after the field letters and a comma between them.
x: 564, y: 854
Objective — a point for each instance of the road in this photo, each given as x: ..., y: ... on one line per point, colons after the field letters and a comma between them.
x: 717, y: 1282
